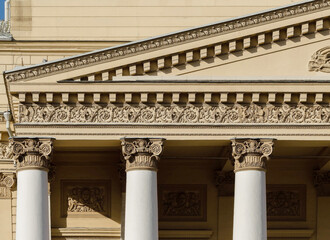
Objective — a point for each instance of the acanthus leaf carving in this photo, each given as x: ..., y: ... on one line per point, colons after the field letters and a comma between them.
x: 32, y: 152
x: 251, y: 153
x: 167, y: 114
x: 142, y: 153
x: 320, y: 61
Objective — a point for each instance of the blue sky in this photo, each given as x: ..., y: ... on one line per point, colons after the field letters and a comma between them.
x: 2, y: 11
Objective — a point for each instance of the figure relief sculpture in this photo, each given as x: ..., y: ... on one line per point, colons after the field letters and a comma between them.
x: 320, y: 61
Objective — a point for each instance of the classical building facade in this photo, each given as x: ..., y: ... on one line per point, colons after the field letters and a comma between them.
x: 215, y: 132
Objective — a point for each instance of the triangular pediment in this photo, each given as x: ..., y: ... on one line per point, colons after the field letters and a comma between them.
x: 215, y: 49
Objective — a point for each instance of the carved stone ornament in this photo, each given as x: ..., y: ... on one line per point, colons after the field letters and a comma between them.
x: 225, y: 181
x: 322, y: 183
x: 168, y: 114
x: 7, y: 182
x: 142, y: 153
x: 32, y: 152
x: 5, y: 151
x: 251, y: 153
x: 320, y: 61
x: 111, y: 54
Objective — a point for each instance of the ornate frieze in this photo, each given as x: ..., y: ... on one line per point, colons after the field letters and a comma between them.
x: 7, y: 182
x: 85, y: 197
x: 169, y: 40
x: 225, y: 181
x: 142, y: 153
x: 251, y: 153
x: 32, y: 152
x: 286, y: 202
x: 173, y: 113
x: 186, y: 202
x: 320, y: 61
x: 322, y: 183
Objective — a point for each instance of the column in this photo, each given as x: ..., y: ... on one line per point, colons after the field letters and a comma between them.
x: 32, y: 157
x: 141, y: 216
x: 250, y: 218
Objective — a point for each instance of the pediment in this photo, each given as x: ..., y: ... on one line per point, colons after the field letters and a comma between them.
x: 196, y: 51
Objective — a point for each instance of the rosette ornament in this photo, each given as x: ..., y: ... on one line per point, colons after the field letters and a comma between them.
x: 142, y: 153
x: 32, y: 152
x: 251, y: 154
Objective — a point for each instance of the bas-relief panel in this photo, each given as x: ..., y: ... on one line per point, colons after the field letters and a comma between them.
x: 182, y: 202
x: 84, y: 198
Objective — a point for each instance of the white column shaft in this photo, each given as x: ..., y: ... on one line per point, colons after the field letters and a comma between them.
x: 250, y: 222
x: 32, y: 217
x: 141, y: 217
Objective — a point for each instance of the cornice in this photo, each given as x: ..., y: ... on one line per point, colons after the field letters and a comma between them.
x: 177, y: 38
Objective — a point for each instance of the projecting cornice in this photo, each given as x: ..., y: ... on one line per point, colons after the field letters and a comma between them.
x: 162, y: 60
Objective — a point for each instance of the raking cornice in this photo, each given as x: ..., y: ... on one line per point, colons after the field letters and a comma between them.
x: 173, y: 39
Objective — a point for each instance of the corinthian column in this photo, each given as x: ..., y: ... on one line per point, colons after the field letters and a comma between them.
x: 141, y: 216
x: 32, y: 157
x: 250, y: 220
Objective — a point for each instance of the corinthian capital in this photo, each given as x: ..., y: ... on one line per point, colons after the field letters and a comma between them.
x: 251, y: 153
x: 142, y: 153
x: 32, y: 152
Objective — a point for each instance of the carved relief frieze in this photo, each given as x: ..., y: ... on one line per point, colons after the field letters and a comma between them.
x: 286, y: 202
x: 169, y: 40
x: 85, y: 197
x: 167, y: 114
x: 320, y: 61
x: 6, y: 151
x: 322, y: 183
x: 182, y: 202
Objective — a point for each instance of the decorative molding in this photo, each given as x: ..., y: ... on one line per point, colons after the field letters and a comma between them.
x: 322, y: 183
x: 174, y: 113
x: 7, y: 183
x: 122, y: 174
x: 251, y: 153
x: 225, y: 182
x: 286, y: 202
x: 320, y: 61
x: 139, y: 47
x: 82, y: 198
x: 142, y: 153
x: 32, y: 152
x: 182, y: 202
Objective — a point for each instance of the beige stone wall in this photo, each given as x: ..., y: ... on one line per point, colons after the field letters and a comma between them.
x: 125, y: 20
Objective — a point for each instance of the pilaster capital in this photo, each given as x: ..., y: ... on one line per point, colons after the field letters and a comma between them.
x: 142, y: 153
x: 251, y: 153
x: 322, y: 182
x: 32, y: 152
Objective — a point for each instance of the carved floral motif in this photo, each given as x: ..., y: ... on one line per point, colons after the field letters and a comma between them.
x: 224, y: 181
x: 5, y: 151
x: 142, y: 152
x: 251, y: 153
x: 32, y: 152
x: 320, y: 61
x: 182, y: 202
x: 191, y: 114
x: 173, y: 39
